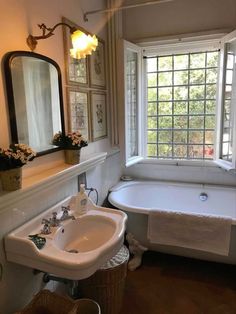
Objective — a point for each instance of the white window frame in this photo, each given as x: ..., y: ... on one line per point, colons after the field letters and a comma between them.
x: 125, y: 48
x: 179, y: 46
x: 229, y: 166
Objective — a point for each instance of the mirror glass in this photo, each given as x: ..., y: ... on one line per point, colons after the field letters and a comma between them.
x: 33, y: 84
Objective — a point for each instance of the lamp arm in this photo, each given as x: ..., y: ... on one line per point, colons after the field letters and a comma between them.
x: 33, y: 40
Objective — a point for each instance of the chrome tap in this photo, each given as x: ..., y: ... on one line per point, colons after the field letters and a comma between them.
x: 54, y: 222
x: 65, y: 213
x: 46, y: 226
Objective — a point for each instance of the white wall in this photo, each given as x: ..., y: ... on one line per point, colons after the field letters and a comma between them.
x: 178, y: 17
x: 18, y: 18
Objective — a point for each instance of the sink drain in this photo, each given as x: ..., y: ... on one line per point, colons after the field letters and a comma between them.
x: 73, y: 251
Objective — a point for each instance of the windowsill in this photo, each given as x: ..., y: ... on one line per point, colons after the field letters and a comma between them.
x: 186, y: 163
x: 44, y: 180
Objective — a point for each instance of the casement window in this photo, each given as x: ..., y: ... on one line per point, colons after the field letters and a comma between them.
x: 180, y: 102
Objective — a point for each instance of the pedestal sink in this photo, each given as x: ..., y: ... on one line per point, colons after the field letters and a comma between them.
x: 73, y: 250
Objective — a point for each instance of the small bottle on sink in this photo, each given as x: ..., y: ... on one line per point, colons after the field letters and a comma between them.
x: 81, y: 201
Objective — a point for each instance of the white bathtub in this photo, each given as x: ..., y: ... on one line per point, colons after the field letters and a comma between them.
x: 138, y: 198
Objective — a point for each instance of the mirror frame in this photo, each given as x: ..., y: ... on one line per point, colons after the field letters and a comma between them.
x: 7, y: 60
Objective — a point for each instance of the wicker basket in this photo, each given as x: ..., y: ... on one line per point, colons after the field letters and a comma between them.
x: 47, y: 302
x: 106, y: 286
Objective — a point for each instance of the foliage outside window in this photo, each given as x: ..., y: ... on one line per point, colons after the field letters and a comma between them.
x: 181, y: 103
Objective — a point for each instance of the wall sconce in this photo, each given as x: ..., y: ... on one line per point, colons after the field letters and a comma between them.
x: 83, y: 43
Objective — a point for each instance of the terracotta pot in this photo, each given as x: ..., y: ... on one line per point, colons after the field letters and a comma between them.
x: 11, y: 179
x: 72, y: 156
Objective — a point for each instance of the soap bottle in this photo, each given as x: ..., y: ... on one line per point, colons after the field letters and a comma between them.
x: 81, y: 201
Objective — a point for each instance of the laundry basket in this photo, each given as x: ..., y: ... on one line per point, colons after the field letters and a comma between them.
x: 107, y: 285
x: 47, y: 302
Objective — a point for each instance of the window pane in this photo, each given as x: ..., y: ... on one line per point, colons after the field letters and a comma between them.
x: 180, y: 137
x: 152, y: 122
x: 152, y: 79
x: 165, y: 93
x: 180, y: 151
x: 165, y: 136
x: 151, y: 150
x: 196, y: 107
x: 164, y: 63
x: 180, y: 122
x: 196, y: 151
x: 164, y: 108
x: 152, y: 94
x: 165, y: 150
x: 151, y: 64
x: 197, y: 76
x: 209, y: 137
x: 210, y: 122
x: 196, y: 122
x: 211, y: 76
x: 181, y: 78
x: 165, y: 122
x: 180, y: 93
x: 197, y: 60
x: 152, y: 136
x: 212, y: 59
x: 152, y: 109
x: 211, y: 91
x: 183, y: 120
x: 210, y: 106
x: 196, y: 137
x: 209, y: 151
x: 180, y: 107
x: 180, y: 62
x: 197, y: 92
x: 165, y: 78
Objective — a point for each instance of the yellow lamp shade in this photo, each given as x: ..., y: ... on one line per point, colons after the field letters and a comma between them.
x: 83, y: 44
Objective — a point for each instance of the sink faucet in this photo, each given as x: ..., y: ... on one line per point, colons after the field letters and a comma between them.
x: 46, y: 226
x: 54, y: 222
x: 65, y: 213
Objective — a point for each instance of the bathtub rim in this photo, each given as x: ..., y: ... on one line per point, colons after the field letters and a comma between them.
x: 141, y: 210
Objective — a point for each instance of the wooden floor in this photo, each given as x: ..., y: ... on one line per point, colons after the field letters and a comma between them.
x: 167, y: 284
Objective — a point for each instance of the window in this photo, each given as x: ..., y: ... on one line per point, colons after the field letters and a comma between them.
x: 181, y: 102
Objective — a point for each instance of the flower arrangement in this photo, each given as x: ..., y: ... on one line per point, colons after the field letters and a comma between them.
x: 71, y: 140
x: 16, y: 156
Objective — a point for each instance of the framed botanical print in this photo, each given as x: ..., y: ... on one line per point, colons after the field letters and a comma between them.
x: 97, y: 66
x: 99, y: 115
x: 78, y: 103
x: 77, y: 72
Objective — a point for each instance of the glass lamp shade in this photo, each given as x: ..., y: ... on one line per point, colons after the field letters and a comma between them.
x: 83, y: 44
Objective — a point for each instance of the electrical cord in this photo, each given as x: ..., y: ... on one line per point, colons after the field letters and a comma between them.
x: 92, y: 190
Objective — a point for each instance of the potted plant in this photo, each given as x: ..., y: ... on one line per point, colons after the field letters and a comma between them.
x: 12, y: 160
x: 72, y: 143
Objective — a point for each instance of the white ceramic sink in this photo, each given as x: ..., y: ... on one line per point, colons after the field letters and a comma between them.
x: 75, y: 249
x: 85, y: 234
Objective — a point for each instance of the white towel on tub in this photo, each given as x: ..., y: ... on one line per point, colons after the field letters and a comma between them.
x: 200, y: 232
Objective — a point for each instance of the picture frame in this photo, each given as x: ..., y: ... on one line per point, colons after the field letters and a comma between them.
x: 79, y: 114
x: 77, y: 70
x: 97, y: 67
x: 98, y: 115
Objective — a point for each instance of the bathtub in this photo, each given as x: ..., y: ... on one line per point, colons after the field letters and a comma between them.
x: 139, y: 198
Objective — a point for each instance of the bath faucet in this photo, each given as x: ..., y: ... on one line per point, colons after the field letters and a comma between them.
x: 65, y: 213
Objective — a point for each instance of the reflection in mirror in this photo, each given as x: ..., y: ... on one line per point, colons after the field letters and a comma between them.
x: 33, y: 84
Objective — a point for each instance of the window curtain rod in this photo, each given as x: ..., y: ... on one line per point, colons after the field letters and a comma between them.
x: 124, y: 7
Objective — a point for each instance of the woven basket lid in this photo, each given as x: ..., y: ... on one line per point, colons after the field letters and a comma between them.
x: 121, y: 257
